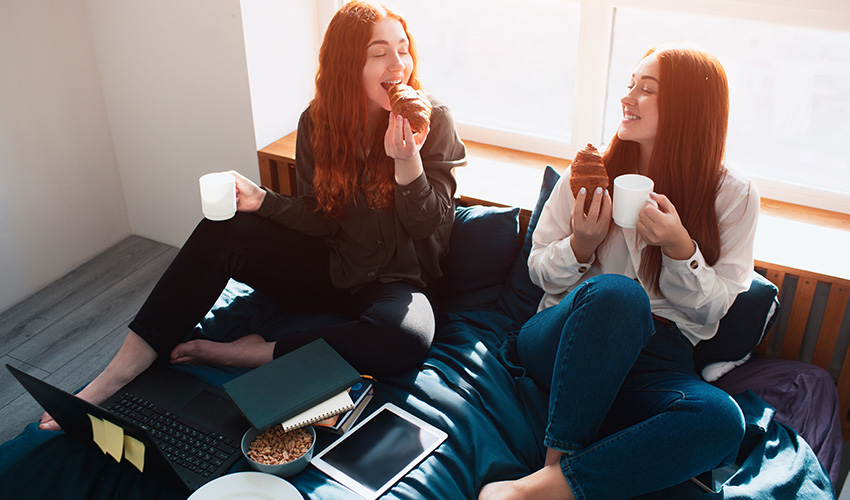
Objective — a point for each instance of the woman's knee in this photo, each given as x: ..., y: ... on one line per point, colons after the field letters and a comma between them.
x: 615, y: 292
x: 396, y: 350
x: 222, y: 238
x: 403, y: 335
x: 721, y: 426
x: 614, y: 304
x: 412, y: 337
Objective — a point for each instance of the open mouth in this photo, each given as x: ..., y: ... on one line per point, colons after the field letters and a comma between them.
x: 389, y: 84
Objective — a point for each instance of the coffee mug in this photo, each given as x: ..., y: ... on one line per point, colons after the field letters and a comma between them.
x: 218, y: 195
x: 631, y: 194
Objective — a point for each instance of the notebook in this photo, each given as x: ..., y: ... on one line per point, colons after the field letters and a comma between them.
x: 165, y: 423
x: 340, y: 403
x: 291, y: 384
x: 361, y: 393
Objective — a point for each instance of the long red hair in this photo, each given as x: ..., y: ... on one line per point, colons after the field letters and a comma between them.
x: 687, y: 155
x: 339, y: 112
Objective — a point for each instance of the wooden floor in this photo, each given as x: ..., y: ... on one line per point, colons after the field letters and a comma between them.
x: 67, y: 332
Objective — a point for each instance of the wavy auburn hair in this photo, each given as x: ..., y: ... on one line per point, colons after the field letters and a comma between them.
x: 339, y: 113
x: 687, y: 154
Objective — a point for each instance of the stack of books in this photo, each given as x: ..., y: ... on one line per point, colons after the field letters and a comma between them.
x: 308, y: 385
x: 360, y: 394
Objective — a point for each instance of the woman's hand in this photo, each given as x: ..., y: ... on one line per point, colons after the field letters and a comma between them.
x: 399, y: 141
x: 591, y: 228
x: 402, y: 145
x: 662, y: 227
x: 249, y: 196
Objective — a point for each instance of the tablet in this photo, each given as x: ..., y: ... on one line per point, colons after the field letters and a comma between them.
x: 377, y: 452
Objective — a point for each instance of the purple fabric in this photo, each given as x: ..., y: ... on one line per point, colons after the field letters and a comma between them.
x: 805, y: 399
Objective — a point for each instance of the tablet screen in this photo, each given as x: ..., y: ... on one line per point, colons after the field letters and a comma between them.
x: 375, y: 454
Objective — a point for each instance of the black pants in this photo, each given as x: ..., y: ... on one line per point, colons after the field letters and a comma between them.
x: 390, y: 325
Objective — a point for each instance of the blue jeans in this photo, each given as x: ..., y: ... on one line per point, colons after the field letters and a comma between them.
x: 625, y: 403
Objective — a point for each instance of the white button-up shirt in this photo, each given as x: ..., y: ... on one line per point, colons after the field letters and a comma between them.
x: 693, y: 294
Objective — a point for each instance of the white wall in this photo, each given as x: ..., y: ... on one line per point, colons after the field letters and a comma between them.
x: 61, y: 200
x: 110, y: 110
x: 281, y: 42
x: 176, y: 89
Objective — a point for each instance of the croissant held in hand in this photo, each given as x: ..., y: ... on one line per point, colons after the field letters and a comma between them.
x: 587, y: 171
x: 411, y: 104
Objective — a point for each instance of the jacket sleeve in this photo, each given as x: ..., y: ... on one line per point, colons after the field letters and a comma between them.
x: 427, y: 202
x: 299, y: 212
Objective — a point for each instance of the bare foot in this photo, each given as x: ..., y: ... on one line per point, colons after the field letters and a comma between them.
x: 250, y: 351
x: 500, y: 490
x: 547, y: 483
x: 47, y: 423
x: 134, y: 356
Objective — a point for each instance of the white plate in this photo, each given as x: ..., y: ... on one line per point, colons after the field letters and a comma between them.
x: 247, y: 486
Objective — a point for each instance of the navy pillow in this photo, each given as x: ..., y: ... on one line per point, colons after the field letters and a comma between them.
x: 520, y: 297
x: 744, y: 325
x: 483, y: 247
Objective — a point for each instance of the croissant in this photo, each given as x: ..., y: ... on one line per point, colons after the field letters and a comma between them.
x: 588, y: 171
x: 411, y: 104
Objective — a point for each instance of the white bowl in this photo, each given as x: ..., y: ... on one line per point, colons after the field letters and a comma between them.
x: 287, y: 469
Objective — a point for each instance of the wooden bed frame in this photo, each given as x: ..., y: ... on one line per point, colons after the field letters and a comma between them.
x: 277, y: 172
x: 790, y: 339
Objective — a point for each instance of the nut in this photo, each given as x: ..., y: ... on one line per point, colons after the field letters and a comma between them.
x: 275, y: 447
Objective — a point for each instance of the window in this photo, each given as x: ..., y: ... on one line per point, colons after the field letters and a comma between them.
x: 546, y: 76
x: 789, y: 95
x: 507, y: 69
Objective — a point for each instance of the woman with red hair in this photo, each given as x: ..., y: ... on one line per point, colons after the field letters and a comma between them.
x: 612, y: 341
x: 363, y: 239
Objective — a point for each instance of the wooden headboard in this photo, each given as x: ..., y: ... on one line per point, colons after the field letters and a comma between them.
x: 805, y: 326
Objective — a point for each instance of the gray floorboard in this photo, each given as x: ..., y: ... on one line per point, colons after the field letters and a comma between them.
x: 33, y: 315
x: 67, y: 332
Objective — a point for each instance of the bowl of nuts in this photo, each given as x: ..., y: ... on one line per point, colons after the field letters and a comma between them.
x: 278, y: 452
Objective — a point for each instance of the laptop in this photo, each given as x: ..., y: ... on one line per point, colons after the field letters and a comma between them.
x: 191, y: 430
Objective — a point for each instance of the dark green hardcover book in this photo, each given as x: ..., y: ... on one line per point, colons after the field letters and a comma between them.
x: 290, y: 384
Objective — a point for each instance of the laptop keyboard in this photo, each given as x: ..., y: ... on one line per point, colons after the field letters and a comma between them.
x: 191, y: 448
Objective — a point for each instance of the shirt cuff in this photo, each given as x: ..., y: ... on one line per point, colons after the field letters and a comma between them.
x: 692, y: 264
x: 417, y: 186
x: 571, y: 264
x: 270, y: 201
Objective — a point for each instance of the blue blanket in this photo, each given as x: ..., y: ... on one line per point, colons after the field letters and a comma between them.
x: 468, y: 386
x: 493, y: 414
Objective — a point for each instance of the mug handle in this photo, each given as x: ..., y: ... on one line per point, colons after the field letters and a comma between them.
x: 650, y: 200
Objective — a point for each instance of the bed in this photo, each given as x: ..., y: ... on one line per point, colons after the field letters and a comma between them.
x: 470, y: 387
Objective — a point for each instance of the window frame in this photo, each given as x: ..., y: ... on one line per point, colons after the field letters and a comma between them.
x: 595, y: 39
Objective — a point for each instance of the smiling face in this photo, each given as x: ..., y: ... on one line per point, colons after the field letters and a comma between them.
x: 388, y: 61
x: 640, y: 105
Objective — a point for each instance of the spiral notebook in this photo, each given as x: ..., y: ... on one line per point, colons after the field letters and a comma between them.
x: 340, y: 403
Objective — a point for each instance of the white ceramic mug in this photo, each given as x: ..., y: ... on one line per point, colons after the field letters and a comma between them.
x: 631, y: 194
x: 218, y: 195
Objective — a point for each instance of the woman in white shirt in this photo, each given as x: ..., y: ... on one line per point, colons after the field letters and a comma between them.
x: 613, y: 338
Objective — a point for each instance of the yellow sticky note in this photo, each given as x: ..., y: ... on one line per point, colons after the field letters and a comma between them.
x: 134, y: 452
x: 98, y: 433
x: 114, y: 440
